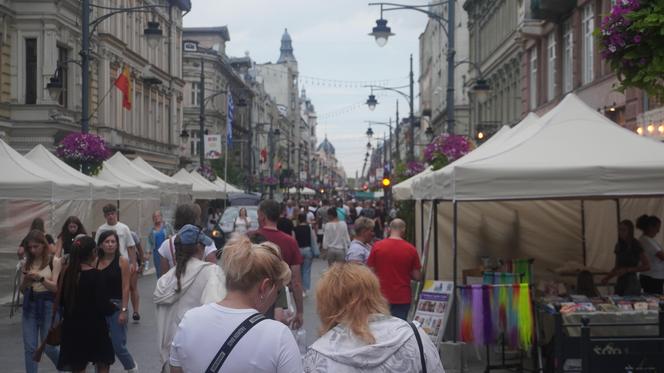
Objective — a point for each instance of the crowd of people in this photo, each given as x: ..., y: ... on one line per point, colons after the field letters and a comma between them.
x: 208, y: 298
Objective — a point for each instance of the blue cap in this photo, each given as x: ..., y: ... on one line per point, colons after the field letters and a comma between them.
x: 188, y: 234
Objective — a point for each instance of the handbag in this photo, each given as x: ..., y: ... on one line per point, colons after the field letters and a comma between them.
x: 54, y: 336
x: 232, y: 341
x: 419, y: 345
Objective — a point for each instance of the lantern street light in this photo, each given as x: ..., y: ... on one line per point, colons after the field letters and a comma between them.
x: 381, y: 32
x: 372, y: 102
x: 370, y: 132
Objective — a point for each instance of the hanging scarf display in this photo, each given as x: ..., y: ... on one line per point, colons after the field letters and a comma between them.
x: 525, y: 312
x: 466, y: 305
x: 478, y: 315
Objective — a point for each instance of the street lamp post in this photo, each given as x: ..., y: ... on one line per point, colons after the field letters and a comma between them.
x: 381, y: 32
x: 389, y: 126
x: 372, y: 102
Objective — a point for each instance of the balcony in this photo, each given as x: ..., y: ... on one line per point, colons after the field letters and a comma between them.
x: 551, y: 10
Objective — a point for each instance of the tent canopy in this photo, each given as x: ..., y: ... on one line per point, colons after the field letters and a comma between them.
x: 25, y: 179
x: 145, y: 167
x: 200, y: 189
x: 201, y: 179
x: 439, y: 182
x: 574, y: 152
x: 100, y: 189
x: 124, y: 165
x: 226, y: 187
x: 129, y: 187
x: 303, y: 191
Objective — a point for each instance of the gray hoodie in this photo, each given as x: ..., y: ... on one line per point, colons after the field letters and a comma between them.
x: 395, y: 350
x: 201, y: 283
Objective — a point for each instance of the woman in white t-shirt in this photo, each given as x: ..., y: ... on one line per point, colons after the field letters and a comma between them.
x: 242, y: 222
x: 254, y: 274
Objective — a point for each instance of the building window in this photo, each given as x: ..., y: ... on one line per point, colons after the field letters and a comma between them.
x: 30, y: 71
x: 195, y: 94
x: 63, y: 55
x: 533, y: 78
x: 587, y: 27
x: 567, y: 56
x: 551, y: 66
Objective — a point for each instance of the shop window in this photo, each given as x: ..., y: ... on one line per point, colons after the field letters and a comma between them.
x: 587, y: 28
x: 63, y: 55
x: 533, y: 78
x: 567, y: 56
x: 551, y: 66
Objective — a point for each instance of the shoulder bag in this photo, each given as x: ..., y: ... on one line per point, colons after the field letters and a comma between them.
x: 232, y: 341
x: 54, y: 336
x: 419, y: 345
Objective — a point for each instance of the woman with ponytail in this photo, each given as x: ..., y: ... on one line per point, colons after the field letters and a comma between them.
x: 85, y: 336
x: 652, y: 280
x: 116, y: 275
x: 192, y: 283
x: 254, y: 275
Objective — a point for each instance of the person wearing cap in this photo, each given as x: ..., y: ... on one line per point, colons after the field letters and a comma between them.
x: 192, y: 282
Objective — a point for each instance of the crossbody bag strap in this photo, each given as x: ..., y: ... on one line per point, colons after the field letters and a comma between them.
x: 58, y: 291
x: 232, y: 341
x: 170, y: 247
x: 419, y: 345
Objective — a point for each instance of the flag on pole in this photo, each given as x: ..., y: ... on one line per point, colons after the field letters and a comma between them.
x: 123, y: 83
x: 229, y: 120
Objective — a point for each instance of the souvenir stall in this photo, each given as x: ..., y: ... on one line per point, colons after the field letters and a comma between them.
x: 546, y: 193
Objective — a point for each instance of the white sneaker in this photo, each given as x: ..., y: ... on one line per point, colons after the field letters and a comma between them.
x: 304, y: 294
x: 134, y: 369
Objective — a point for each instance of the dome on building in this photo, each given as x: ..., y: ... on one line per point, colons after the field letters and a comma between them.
x: 286, y: 49
x: 326, y: 146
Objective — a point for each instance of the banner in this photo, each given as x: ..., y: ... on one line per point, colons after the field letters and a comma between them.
x: 433, y: 308
x: 303, y: 175
x: 212, y: 146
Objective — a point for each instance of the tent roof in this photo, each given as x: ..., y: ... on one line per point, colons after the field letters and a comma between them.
x: 129, y: 188
x: 404, y: 190
x: 200, y: 190
x: 119, y: 161
x: 100, y: 189
x: 573, y: 152
x: 219, y: 189
x: 438, y: 183
x: 230, y: 188
x: 25, y: 179
x: 183, y: 187
x: 303, y: 191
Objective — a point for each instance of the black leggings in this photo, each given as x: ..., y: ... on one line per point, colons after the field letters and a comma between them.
x: 651, y: 285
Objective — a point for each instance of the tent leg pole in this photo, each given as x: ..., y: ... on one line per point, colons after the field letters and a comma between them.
x: 422, y: 226
x: 618, y: 211
x: 454, y: 269
x: 583, y: 232
x: 434, y: 211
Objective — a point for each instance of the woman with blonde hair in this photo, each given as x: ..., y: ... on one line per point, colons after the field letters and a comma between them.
x: 358, y: 333
x: 232, y: 335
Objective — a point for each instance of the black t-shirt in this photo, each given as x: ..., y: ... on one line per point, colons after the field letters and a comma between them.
x: 303, y: 235
x: 628, y: 256
x: 285, y: 225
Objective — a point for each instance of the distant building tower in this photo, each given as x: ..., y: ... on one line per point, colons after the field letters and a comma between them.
x: 286, y: 55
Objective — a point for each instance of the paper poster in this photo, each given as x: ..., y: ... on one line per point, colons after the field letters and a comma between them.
x: 212, y: 146
x: 433, y: 308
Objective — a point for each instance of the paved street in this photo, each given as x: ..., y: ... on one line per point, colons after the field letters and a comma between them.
x: 141, y: 336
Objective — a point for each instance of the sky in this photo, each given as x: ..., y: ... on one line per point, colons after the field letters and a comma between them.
x: 335, y: 58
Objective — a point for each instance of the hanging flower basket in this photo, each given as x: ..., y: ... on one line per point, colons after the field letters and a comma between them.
x: 447, y: 148
x: 207, y: 172
x: 631, y: 40
x: 83, y: 151
x: 269, y: 181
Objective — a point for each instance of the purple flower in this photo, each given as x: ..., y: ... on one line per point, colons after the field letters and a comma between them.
x: 637, y: 39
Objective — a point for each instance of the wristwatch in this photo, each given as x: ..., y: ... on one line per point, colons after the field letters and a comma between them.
x: 41, y: 279
x: 123, y: 309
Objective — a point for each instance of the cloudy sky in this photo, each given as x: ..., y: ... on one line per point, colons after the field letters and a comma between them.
x: 335, y: 57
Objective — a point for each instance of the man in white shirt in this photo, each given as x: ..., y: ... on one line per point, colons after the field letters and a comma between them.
x: 127, y: 248
x: 184, y: 214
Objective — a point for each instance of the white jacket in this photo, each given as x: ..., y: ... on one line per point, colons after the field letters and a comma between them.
x: 201, y: 283
x: 395, y: 350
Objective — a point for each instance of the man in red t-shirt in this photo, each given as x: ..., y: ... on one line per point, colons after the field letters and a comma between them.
x: 396, y: 263
x: 268, y: 214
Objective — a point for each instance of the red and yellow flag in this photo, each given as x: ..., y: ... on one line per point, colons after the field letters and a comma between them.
x: 123, y: 83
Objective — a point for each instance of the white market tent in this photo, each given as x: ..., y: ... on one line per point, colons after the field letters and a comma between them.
x: 28, y: 191
x: 100, y: 189
x: 200, y: 189
x: 227, y: 187
x: 549, y: 193
x: 124, y: 165
x: 404, y: 190
x: 201, y: 179
x: 303, y: 191
x: 184, y: 188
